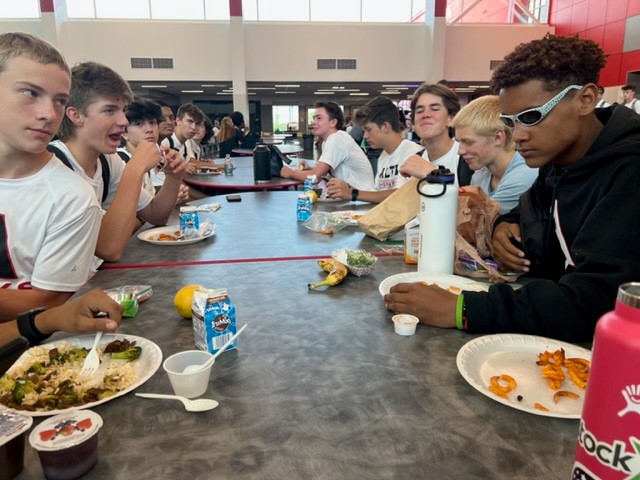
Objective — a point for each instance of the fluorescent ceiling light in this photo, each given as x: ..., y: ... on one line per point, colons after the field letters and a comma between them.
x: 153, y: 86
x: 223, y: 93
x: 396, y: 87
x: 285, y: 93
x: 389, y: 92
x: 287, y: 86
x: 319, y: 92
x: 363, y: 94
x: 478, y: 86
x: 210, y: 85
x: 261, y: 88
x: 192, y: 91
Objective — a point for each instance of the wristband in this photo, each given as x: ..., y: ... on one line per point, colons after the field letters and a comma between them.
x: 459, y: 312
x: 354, y: 194
x: 27, y: 326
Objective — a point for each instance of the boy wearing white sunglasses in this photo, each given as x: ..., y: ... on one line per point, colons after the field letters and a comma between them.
x: 576, y: 230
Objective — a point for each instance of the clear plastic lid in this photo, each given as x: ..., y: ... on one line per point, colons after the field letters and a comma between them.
x: 65, y: 430
x: 13, y: 424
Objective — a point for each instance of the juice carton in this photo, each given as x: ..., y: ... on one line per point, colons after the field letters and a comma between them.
x: 412, y: 242
x: 214, y: 319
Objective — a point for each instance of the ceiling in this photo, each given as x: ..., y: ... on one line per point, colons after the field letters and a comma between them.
x: 299, y: 93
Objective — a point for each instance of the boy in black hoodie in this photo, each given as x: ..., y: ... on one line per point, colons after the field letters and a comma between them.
x: 576, y: 231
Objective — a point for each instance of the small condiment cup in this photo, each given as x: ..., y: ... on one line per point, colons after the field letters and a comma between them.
x: 67, y: 444
x: 404, y: 324
x: 13, y: 427
x: 189, y: 385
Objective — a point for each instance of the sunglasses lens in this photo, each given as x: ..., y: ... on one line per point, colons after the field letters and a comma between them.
x: 507, y: 122
x: 530, y: 118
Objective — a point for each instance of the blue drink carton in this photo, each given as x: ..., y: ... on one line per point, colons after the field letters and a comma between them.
x: 303, y: 208
x: 214, y: 319
x: 189, y: 221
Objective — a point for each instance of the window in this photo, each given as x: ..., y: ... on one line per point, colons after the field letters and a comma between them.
x: 122, y: 8
x: 182, y: 10
x: 284, y: 116
x: 217, y: 10
x: 335, y: 10
x: 277, y: 10
x: 21, y: 9
x: 396, y: 11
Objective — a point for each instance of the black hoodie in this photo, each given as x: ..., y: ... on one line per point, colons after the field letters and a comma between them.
x: 598, y: 204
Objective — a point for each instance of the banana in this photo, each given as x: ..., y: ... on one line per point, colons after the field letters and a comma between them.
x: 337, y: 271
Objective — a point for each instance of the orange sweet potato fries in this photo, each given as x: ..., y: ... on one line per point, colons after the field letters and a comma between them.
x: 551, y: 364
x: 502, y: 384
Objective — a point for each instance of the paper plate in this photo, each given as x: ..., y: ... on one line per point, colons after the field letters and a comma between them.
x: 516, y: 355
x: 151, y: 236
x: 453, y: 283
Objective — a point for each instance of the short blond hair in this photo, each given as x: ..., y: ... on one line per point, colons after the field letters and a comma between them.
x: 483, y: 116
x: 20, y: 44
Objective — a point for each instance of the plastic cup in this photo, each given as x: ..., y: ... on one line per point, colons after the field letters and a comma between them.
x: 404, y: 324
x: 189, y: 385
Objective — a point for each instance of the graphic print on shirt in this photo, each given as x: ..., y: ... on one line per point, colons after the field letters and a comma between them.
x: 6, y: 266
x: 388, y: 177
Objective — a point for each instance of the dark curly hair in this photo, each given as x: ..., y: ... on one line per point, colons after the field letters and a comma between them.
x: 557, y: 61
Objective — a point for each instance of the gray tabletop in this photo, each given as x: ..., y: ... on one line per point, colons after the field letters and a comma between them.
x: 262, y: 225
x: 319, y: 387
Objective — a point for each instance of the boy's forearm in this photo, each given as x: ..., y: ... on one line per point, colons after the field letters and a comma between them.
x: 13, y: 302
x: 163, y: 204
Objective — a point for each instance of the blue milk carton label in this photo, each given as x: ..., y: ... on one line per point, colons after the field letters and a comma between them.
x: 303, y: 210
x: 189, y: 221
x: 214, y: 319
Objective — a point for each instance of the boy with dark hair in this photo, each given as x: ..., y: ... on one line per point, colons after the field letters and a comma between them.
x: 629, y: 97
x: 382, y: 129
x: 187, y: 120
x: 576, y: 229
x: 341, y: 156
x: 49, y: 217
x: 168, y: 122
x: 89, y: 137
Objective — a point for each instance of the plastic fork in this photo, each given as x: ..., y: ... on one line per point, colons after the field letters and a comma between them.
x: 92, y: 362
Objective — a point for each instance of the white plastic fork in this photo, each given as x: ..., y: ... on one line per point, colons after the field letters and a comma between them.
x: 92, y: 361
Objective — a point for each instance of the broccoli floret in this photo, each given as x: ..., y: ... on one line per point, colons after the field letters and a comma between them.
x: 6, y: 383
x: 130, y: 354
x: 37, y: 368
x: 21, y: 388
x: 76, y: 354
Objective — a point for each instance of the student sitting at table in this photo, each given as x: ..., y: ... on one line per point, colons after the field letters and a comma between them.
x: 341, y: 156
x: 144, y: 116
x: 382, y: 129
x: 486, y: 144
x: 89, y: 137
x: 576, y: 229
x: 76, y: 316
x: 187, y: 120
x: 433, y: 107
x: 167, y: 125
x: 227, y: 137
x: 49, y: 217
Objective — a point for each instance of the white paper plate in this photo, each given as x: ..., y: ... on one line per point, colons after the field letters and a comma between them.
x: 516, y: 355
x: 350, y: 216
x: 207, y: 171
x: 144, y: 367
x: 330, y: 200
x: 151, y: 236
x: 447, y: 282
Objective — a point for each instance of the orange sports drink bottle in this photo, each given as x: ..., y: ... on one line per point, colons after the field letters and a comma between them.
x: 609, y: 436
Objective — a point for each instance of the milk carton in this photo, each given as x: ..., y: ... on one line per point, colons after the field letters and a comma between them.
x: 214, y: 319
x: 412, y: 241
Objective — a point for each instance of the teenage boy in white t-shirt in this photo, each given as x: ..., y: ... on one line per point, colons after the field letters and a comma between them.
x: 49, y: 218
x: 341, y: 156
x: 382, y: 129
x: 91, y: 129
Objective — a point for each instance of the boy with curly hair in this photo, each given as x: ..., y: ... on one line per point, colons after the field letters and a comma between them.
x: 576, y: 230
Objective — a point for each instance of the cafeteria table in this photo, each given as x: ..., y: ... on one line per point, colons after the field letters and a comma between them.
x: 261, y: 225
x: 287, y: 149
x: 320, y: 387
x: 241, y: 180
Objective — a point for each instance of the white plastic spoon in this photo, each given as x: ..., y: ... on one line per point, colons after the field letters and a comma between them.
x: 198, y: 405
x: 208, y: 363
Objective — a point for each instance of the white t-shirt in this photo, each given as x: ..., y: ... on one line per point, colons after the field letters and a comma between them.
x: 347, y: 161
x: 449, y: 160
x: 116, y: 168
x: 388, y: 176
x: 634, y: 105
x: 49, y: 224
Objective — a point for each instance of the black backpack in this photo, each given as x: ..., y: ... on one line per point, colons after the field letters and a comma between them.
x: 106, y: 173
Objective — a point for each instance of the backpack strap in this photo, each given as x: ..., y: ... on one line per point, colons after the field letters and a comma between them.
x: 106, y: 173
x: 123, y: 155
x: 106, y: 176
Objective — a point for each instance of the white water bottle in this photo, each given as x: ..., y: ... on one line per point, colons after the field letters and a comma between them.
x: 438, y: 211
